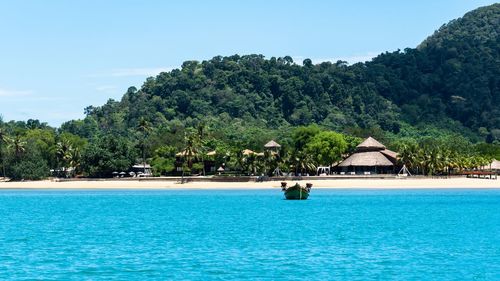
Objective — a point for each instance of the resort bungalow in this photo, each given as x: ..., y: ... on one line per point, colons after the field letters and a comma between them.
x: 494, y: 166
x: 272, y: 145
x: 208, y: 161
x: 370, y: 157
x: 141, y: 170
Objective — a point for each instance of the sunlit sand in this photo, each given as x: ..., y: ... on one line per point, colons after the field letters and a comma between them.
x: 405, y: 183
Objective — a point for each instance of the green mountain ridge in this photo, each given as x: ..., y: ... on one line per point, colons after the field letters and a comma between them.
x: 438, y: 105
x: 451, y: 81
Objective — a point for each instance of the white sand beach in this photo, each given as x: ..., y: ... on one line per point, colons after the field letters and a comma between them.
x: 407, y: 183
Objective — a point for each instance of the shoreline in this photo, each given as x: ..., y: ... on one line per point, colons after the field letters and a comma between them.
x: 393, y: 183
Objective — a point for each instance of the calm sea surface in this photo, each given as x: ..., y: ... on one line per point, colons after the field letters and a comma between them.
x: 250, y: 234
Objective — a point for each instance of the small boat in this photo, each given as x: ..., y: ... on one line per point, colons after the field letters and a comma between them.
x: 296, y: 192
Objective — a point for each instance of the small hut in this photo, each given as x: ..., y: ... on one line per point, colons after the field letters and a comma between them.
x: 274, y: 149
x: 247, y: 152
x: 370, y: 157
x: 142, y: 170
x: 272, y: 145
x: 494, y: 166
x: 208, y: 161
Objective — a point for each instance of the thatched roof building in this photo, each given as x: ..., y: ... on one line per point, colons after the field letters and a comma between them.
x: 370, y: 144
x: 248, y: 152
x: 140, y: 170
x: 272, y: 144
x: 391, y: 155
x: 370, y: 156
x: 366, y: 159
x: 495, y: 165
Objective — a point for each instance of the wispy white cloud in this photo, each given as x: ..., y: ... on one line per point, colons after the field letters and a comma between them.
x: 145, y: 71
x: 14, y: 93
x: 350, y: 59
x: 10, y: 96
x: 106, y: 88
x: 44, y: 114
x: 128, y: 72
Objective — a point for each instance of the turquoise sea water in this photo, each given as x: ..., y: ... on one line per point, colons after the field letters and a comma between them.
x: 250, y: 234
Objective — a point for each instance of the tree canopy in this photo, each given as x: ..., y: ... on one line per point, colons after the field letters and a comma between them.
x: 445, y: 89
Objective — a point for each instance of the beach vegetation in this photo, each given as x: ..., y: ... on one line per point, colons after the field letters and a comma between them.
x: 437, y: 104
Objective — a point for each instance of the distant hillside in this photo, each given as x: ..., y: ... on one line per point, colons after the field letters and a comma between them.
x: 451, y: 81
x: 436, y: 104
x: 454, y: 73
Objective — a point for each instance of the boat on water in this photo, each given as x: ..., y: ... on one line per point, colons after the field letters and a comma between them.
x: 296, y: 191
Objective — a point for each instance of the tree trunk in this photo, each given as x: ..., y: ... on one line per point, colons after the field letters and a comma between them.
x: 143, y: 160
x: 3, y: 162
x: 144, y: 154
x: 182, y: 176
x: 203, y: 163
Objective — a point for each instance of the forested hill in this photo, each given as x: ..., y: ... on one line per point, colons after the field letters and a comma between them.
x: 455, y: 73
x: 450, y: 82
x: 436, y: 105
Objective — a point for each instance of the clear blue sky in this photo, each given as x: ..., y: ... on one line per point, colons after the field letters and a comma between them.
x: 57, y: 57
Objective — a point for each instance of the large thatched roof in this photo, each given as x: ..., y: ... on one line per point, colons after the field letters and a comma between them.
x: 272, y: 144
x: 370, y: 144
x: 367, y: 158
x: 393, y: 156
x: 248, y: 152
x: 370, y: 153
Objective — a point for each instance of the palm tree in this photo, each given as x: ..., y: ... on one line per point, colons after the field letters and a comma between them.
x: 421, y: 159
x: 301, y: 161
x: 4, y: 139
x: 74, y: 158
x: 63, y: 148
x: 240, y: 160
x: 191, y: 150
x: 252, y: 164
x: 190, y: 153
x: 18, y: 145
x: 481, y: 161
x: 406, y: 155
x: 432, y: 161
x: 145, y: 127
x: 67, y: 155
x: 200, y: 143
x: 284, y: 161
x: 446, y: 160
x: 452, y: 163
x: 270, y: 161
x: 62, y: 151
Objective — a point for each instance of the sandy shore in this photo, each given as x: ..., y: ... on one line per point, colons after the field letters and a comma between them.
x: 338, y: 183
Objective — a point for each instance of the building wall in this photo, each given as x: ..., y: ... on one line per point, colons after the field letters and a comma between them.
x: 361, y: 170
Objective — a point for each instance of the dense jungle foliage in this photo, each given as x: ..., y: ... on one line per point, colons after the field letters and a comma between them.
x: 443, y: 93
